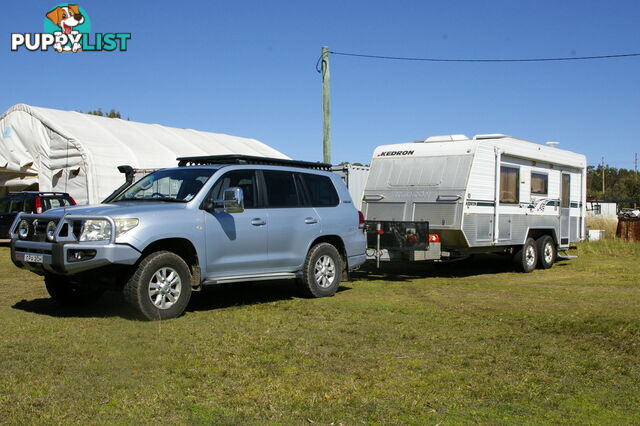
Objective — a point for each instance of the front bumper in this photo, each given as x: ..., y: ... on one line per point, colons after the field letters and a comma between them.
x: 36, y: 253
x: 58, y: 257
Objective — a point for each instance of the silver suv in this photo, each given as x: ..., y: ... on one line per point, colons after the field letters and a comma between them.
x: 212, y: 220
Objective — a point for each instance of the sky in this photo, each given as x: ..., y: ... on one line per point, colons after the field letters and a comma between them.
x: 247, y: 68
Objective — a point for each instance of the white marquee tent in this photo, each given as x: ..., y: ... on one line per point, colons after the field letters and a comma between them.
x: 79, y: 153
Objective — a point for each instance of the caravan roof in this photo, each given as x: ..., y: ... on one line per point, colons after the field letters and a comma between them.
x: 461, y: 145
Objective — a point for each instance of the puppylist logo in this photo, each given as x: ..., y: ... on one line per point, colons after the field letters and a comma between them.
x: 67, y: 28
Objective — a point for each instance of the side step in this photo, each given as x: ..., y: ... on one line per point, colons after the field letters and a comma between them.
x: 565, y: 255
x: 252, y: 277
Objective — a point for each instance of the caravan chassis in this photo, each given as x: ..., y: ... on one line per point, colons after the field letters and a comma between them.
x: 396, y: 241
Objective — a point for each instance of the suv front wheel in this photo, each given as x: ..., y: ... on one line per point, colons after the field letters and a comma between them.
x: 161, y: 286
x: 322, y: 271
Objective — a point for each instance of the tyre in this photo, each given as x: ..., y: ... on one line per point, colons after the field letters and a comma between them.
x: 161, y: 286
x: 321, y: 271
x: 526, y: 258
x: 66, y: 292
x: 547, y: 252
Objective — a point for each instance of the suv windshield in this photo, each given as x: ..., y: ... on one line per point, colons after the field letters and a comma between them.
x: 179, y: 185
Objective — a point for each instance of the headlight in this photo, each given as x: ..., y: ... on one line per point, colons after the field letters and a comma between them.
x: 51, y: 230
x: 125, y: 225
x: 23, y: 229
x: 95, y: 230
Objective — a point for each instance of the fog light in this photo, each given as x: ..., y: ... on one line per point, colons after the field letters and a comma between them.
x: 23, y: 229
x: 80, y: 255
x: 51, y: 230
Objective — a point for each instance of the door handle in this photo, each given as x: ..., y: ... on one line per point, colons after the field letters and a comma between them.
x: 258, y: 222
x: 310, y: 220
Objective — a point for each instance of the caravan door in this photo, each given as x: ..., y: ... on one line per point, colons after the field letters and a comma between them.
x: 565, y: 208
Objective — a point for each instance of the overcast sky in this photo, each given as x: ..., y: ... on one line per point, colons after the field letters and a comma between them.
x: 247, y: 68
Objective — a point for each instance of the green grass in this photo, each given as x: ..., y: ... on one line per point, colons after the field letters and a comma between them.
x: 429, y: 344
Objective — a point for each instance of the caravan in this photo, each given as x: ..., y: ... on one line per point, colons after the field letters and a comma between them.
x: 449, y: 196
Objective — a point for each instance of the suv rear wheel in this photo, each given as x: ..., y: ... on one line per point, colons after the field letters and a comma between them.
x: 161, y: 286
x: 322, y: 271
x: 66, y: 292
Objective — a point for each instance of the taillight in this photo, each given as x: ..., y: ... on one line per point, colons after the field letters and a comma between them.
x: 360, y: 220
x: 434, y: 238
x: 38, y: 204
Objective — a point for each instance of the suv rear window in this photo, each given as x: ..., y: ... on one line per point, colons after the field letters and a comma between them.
x: 321, y: 190
x: 55, y: 202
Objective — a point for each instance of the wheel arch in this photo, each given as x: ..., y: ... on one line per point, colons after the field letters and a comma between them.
x: 183, y: 248
x: 536, y: 233
x: 337, y: 242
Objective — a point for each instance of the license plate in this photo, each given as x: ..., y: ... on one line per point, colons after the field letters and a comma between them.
x: 34, y: 258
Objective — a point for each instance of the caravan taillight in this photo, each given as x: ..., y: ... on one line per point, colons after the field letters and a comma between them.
x: 38, y: 205
x: 360, y: 220
x: 434, y: 238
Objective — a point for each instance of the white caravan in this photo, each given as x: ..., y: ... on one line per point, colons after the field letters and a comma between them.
x: 449, y: 196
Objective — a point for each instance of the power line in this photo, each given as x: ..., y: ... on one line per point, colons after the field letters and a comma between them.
x: 403, y: 58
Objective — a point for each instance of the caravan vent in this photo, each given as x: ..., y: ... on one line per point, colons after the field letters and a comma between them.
x: 490, y: 136
x: 446, y: 138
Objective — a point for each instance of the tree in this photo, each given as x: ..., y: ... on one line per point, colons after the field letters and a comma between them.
x: 111, y: 114
x: 619, y: 184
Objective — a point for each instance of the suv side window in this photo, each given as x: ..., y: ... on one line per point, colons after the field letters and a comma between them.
x: 4, y: 205
x: 244, y: 179
x: 17, y: 205
x: 30, y: 205
x: 321, y: 190
x: 281, y: 189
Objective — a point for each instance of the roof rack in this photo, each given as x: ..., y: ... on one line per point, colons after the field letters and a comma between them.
x: 248, y: 159
x: 37, y: 192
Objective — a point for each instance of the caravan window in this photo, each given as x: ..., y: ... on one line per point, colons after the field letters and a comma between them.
x: 509, y: 188
x: 539, y: 183
x: 566, y: 185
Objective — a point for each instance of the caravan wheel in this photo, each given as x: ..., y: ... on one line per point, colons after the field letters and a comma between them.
x: 526, y: 258
x: 547, y: 252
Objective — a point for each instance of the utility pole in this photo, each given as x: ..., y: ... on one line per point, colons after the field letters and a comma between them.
x: 602, y: 177
x: 635, y: 164
x: 326, y: 107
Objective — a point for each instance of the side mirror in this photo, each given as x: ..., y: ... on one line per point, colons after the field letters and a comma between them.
x: 232, y: 200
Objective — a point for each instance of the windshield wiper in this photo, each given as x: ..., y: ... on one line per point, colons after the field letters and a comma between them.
x: 171, y: 200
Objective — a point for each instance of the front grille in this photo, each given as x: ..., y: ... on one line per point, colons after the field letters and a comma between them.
x: 34, y: 251
x: 77, y: 228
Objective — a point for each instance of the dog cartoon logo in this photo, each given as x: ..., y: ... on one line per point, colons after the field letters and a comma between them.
x: 67, y: 28
x: 67, y: 18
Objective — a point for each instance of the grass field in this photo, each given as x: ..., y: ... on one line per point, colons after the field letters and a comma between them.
x: 441, y: 344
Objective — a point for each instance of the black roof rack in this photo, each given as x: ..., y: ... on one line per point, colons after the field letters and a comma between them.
x: 46, y: 193
x: 248, y: 159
